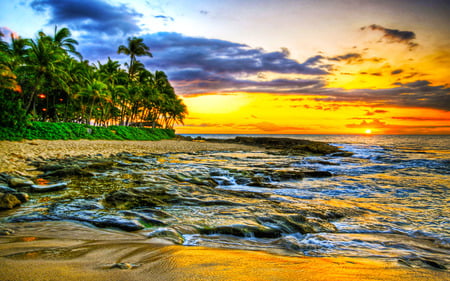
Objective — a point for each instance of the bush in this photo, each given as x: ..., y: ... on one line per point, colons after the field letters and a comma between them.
x: 75, y: 131
x: 13, y: 118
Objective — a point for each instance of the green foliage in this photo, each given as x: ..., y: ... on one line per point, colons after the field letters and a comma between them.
x: 75, y: 131
x: 56, y: 87
x: 13, y: 118
x: 131, y: 133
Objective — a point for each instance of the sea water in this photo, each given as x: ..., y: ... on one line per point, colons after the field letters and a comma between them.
x: 400, y: 182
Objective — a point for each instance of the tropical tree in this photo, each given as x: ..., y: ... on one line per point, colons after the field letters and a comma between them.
x: 136, y: 48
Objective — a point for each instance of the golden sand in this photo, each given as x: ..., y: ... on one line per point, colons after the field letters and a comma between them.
x: 66, y: 251
x: 14, y: 155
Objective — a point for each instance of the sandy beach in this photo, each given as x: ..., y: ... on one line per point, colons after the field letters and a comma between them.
x: 67, y: 251
x: 61, y: 250
x: 15, y: 155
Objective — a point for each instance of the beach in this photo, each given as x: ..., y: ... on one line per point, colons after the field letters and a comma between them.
x: 15, y: 156
x: 71, y: 247
x: 66, y: 251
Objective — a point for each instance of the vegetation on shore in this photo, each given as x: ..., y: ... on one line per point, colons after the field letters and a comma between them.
x: 46, y: 80
x: 74, y: 131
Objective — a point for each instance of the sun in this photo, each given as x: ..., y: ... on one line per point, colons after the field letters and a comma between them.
x: 368, y: 131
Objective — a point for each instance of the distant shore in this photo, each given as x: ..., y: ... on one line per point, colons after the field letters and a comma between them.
x: 14, y: 156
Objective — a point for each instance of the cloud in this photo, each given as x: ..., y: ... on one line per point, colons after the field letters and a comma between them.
x: 421, y: 118
x: 348, y: 58
x: 378, y: 111
x: 91, y: 16
x: 220, y: 56
x: 375, y: 123
x: 415, y: 94
x: 271, y: 127
x: 395, y: 35
x: 397, y: 71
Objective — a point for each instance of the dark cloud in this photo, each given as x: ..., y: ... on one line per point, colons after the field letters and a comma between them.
x: 415, y: 94
x: 395, y: 35
x: 375, y: 123
x: 174, y: 50
x: 421, y: 118
x: 397, y: 71
x: 92, y: 16
x: 348, y: 58
x: 378, y: 111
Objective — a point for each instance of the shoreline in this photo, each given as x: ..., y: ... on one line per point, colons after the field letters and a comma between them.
x: 15, y: 155
x: 68, y: 251
x: 63, y: 250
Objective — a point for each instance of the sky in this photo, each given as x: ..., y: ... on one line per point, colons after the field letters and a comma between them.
x: 274, y: 66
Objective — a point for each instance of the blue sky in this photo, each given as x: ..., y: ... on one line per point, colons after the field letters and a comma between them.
x: 378, y: 53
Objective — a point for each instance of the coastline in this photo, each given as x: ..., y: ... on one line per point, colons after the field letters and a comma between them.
x: 15, y: 155
x: 68, y: 251
x: 61, y: 250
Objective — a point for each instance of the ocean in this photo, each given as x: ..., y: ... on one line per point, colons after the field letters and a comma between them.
x: 388, y: 200
x: 401, y: 182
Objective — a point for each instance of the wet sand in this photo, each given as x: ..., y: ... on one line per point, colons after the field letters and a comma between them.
x: 14, y: 155
x: 67, y: 251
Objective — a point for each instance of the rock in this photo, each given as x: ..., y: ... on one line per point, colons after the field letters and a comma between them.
x: 296, y: 223
x: 280, y: 175
x: 69, y: 171
x: 101, y: 165
x: 22, y: 196
x: 49, y: 187
x: 146, y: 219
x: 20, y: 182
x: 125, y: 265
x: 286, y: 145
x: 8, y: 201
x: 343, y: 154
x: 117, y: 222
x: 139, y: 197
x: 7, y: 189
x: 415, y: 261
x: 168, y: 234
x: 317, y: 174
x: 243, y: 230
x: 6, y: 231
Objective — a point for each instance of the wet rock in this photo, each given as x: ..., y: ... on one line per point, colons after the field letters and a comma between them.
x: 31, y: 217
x: 5, y: 231
x: 125, y: 265
x: 415, y: 261
x: 168, y: 234
x: 8, y: 201
x: 139, y: 197
x: 49, y: 187
x: 286, y: 145
x: 280, y: 175
x: 101, y: 165
x: 317, y: 174
x: 69, y: 171
x: 20, y: 182
x: 243, y: 230
x: 296, y: 224
x: 145, y: 219
x: 343, y: 154
x: 22, y: 196
x: 117, y: 222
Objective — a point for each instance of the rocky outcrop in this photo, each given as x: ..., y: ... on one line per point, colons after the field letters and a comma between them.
x: 285, y: 145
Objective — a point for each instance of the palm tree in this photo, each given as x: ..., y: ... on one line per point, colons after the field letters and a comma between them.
x: 45, y: 64
x: 136, y: 48
x: 62, y: 40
